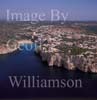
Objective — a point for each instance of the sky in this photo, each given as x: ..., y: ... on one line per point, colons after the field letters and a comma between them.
x: 77, y: 9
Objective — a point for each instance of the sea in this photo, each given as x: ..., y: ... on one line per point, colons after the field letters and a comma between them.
x: 27, y: 63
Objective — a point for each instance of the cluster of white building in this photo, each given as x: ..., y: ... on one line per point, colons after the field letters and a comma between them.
x: 53, y: 38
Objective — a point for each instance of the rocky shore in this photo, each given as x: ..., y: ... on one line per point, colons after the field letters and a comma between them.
x: 70, y: 62
x: 69, y: 47
x: 10, y: 48
x: 6, y: 50
x: 80, y: 54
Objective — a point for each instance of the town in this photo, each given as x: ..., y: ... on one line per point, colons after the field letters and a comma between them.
x: 71, y: 45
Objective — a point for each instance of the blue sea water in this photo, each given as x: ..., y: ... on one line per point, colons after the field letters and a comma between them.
x: 26, y: 62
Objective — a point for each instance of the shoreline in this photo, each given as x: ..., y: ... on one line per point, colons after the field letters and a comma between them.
x: 6, y: 50
x: 44, y: 57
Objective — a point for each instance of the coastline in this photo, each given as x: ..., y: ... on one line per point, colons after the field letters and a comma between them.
x: 6, y: 50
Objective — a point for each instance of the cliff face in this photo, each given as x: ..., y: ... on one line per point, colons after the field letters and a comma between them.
x: 87, y: 62
x: 70, y: 62
x: 69, y: 49
x: 55, y: 60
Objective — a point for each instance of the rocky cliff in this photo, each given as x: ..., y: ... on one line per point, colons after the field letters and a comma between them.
x: 70, y: 53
